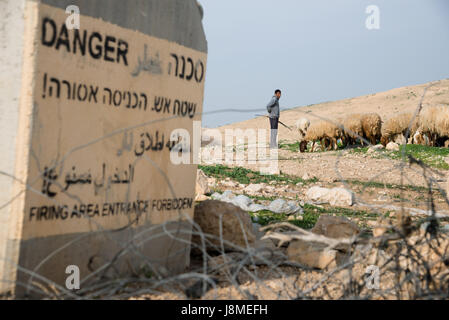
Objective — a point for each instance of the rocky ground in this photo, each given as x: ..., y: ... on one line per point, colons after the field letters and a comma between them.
x: 367, y: 197
x: 368, y: 189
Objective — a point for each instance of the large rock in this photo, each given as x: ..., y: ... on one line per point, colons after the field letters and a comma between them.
x: 335, y: 227
x: 318, y: 255
x: 335, y: 196
x: 236, y: 226
x: 247, y: 204
x: 282, y: 206
x: 257, y: 232
x: 312, y: 254
x: 243, y: 202
x: 374, y: 149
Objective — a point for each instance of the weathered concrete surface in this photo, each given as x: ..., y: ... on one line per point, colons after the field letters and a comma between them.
x: 89, y: 182
x: 136, y: 249
x: 175, y: 20
x: 11, y: 48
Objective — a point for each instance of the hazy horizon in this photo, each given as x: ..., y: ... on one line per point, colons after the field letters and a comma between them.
x: 317, y: 52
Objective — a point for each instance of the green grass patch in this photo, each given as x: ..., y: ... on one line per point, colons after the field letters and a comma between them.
x: 311, y: 215
x: 431, y: 156
x: 361, y: 150
x: 261, y: 198
x: 266, y: 217
x: 293, y: 147
x: 339, y: 211
x: 381, y: 185
x: 247, y: 176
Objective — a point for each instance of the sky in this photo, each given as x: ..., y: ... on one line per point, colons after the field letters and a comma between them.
x: 317, y: 51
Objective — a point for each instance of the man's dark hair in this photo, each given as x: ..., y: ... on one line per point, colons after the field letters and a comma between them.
x: 277, y: 91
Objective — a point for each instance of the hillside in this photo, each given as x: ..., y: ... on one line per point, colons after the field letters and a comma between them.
x: 405, y: 99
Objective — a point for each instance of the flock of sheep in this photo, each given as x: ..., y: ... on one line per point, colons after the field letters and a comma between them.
x: 430, y: 127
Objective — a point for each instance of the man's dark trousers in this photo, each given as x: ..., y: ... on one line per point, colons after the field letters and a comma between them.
x: 274, y: 122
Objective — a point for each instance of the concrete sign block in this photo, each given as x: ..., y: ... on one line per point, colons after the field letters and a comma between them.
x: 89, y: 120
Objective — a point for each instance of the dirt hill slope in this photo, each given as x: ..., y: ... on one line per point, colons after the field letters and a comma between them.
x: 386, y: 104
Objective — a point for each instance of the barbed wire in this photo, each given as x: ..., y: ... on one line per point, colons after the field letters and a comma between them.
x: 412, y: 264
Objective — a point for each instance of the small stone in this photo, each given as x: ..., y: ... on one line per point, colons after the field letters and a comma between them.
x: 379, y: 231
x: 295, y: 218
x: 392, y: 146
x: 202, y: 185
x: 253, y: 189
x: 212, y: 182
x: 229, y: 184
x: 317, y: 195
x: 374, y: 149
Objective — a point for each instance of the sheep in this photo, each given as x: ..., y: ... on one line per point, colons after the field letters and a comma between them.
x: 420, y: 138
x: 427, y: 121
x: 302, y: 125
x: 434, y: 122
x: 352, y: 128
x: 371, y: 126
x: 326, y: 132
x: 395, y: 128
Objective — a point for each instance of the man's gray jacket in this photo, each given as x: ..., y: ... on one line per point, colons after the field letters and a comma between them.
x: 273, y: 107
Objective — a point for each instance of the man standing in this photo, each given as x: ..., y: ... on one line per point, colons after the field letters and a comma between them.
x: 273, y: 111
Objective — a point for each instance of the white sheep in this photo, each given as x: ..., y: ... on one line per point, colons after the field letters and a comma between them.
x: 302, y: 125
x: 396, y: 127
x: 434, y: 122
x: 352, y: 129
x: 371, y: 126
x: 325, y: 131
